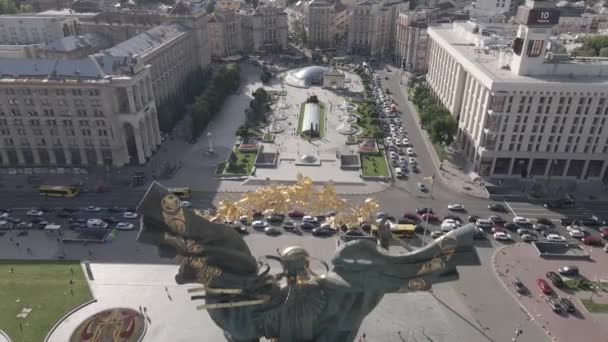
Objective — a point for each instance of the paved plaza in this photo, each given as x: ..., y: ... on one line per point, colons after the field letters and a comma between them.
x: 522, y: 261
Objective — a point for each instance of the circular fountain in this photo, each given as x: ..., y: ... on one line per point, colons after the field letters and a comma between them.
x: 346, y: 128
x: 275, y: 127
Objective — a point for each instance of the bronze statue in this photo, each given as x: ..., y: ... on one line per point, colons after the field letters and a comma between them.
x: 248, y: 303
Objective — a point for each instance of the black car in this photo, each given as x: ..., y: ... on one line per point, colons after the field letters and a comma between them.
x: 512, y: 226
x: 14, y: 220
x: 569, y: 271
x: 472, y: 218
x: 77, y: 220
x: 366, y: 227
x: 308, y: 226
x: 497, y: 219
x: 258, y: 216
x: 523, y: 231
x: 555, y: 278
x: 63, y: 214
x: 545, y: 221
x: 320, y: 218
x: 110, y: 220
x: 323, y: 231
x: 566, y: 221
x: 275, y: 219
x: 553, y: 205
x: 519, y: 286
x: 479, y: 235
x: 589, y: 222
x: 497, y: 207
x: 36, y: 220
x: 453, y: 217
x: 355, y: 232
x: 567, y: 304
x: 421, y: 211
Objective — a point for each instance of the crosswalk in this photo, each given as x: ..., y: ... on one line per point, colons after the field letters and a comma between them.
x: 535, y: 210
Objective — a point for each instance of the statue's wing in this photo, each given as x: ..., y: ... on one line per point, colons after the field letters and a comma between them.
x: 363, y: 265
x: 210, y: 253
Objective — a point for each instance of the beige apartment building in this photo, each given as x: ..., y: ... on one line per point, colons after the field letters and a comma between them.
x: 321, y: 25
x: 225, y: 33
x: 169, y: 50
x: 522, y: 112
x: 24, y: 29
x: 372, y: 27
x: 97, y: 110
x: 267, y: 29
x: 411, y: 41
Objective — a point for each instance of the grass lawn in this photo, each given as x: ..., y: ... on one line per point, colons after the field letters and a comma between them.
x: 42, y: 287
x: 374, y: 165
x: 594, y: 307
x: 268, y: 138
x: 351, y: 140
x: 243, y: 165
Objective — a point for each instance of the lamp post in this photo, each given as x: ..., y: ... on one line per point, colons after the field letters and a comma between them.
x: 426, y: 219
x: 210, y: 138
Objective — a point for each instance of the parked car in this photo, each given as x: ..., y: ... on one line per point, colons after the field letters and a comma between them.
x: 257, y: 216
x: 296, y: 214
x: 185, y: 204
x: 553, y: 205
x: 259, y: 225
x: 529, y: 238
x: 555, y: 238
x: 125, y: 226
x: 35, y: 213
x: 577, y: 234
x: 275, y: 219
x: 114, y: 210
x: 421, y: 211
x: 411, y: 216
x: 569, y: 271
x: 472, y: 218
x: 502, y: 236
x: 129, y: 215
x: 92, y: 209
x: 244, y: 219
x: 430, y: 217
x: 566, y: 221
x: 519, y: 286
x: 522, y: 231
x: 97, y: 223
x: 497, y: 219
x: 545, y: 221
x: 544, y: 286
x: 239, y: 228
x: 555, y: 304
x: 593, y: 241
x: 308, y: 226
x: 567, y: 304
x: 422, y: 187
x: 555, y: 278
x: 521, y: 220
x: 309, y: 218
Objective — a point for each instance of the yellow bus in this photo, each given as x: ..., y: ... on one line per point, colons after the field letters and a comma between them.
x: 58, y: 190
x: 183, y: 193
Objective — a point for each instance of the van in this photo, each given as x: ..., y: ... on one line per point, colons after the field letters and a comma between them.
x: 96, y: 223
x: 484, y: 223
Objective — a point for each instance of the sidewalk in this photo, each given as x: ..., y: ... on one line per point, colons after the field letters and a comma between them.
x: 454, y: 172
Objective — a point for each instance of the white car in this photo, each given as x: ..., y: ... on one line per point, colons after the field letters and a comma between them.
x: 259, y: 225
x: 185, y: 204
x: 455, y: 207
x: 398, y: 142
x: 309, y: 218
x: 410, y: 151
x: 449, y: 225
x: 412, y: 160
x: 577, y: 234
x: 402, y: 129
x: 520, y: 220
x: 125, y: 226
x: 402, y: 159
x: 575, y: 227
x: 129, y: 215
x: 92, y: 209
x: 555, y: 238
x: 405, y: 142
x: 35, y: 212
x: 389, y: 140
x: 3, y: 215
x: 502, y: 236
x: 97, y: 223
x: 398, y: 172
x: 394, y: 155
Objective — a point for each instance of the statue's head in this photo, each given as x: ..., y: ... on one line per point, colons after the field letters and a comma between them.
x: 295, y: 261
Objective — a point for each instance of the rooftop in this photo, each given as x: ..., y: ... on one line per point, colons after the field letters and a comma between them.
x: 72, y: 43
x: 147, y: 41
x: 50, y: 68
x: 487, y: 57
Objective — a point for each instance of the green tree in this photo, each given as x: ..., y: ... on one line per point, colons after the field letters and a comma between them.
x: 604, y: 52
x: 233, y: 159
x: 210, y: 6
x: 443, y: 130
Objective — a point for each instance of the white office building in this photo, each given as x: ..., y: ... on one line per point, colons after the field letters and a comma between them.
x: 522, y: 112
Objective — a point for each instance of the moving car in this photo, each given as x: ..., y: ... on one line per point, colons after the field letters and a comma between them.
x: 96, y: 223
x: 472, y: 218
x: 259, y: 225
x: 272, y: 231
x: 421, y: 211
x: 569, y: 271
x: 502, y: 236
x: 577, y: 234
x: 323, y: 231
x: 449, y: 225
x: 92, y: 209
x: 519, y: 286
x: 125, y: 226
x: 185, y: 204
x: 522, y: 231
x: 544, y: 286
x: 422, y: 187
x: 129, y: 215
x: 456, y: 207
x: 35, y: 213
x: 555, y: 278
x: 484, y: 224
x: 497, y: 207
x: 545, y: 221
x: 430, y: 217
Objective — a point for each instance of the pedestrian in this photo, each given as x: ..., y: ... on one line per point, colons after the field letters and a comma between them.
x: 28, y: 250
x: 12, y: 270
x: 72, y: 292
x: 72, y: 270
x: 90, y: 252
x: 17, y: 244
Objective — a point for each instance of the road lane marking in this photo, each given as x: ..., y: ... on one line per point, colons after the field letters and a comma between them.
x: 508, y: 206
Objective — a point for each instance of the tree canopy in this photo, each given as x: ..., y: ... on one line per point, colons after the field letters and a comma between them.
x: 593, y: 46
x: 11, y: 7
x: 435, y: 118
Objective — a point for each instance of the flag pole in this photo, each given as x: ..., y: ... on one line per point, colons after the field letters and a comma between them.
x: 426, y: 220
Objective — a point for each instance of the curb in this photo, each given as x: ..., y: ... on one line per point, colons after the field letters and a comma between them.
x: 5, y: 336
x: 71, y: 312
x: 523, y: 308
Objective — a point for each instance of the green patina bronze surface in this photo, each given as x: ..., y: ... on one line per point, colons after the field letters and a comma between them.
x: 307, y: 307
